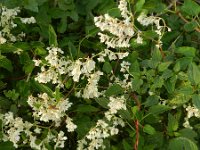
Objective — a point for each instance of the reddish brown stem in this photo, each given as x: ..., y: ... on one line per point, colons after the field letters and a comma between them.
x: 137, y: 135
x: 135, y: 98
x: 162, y: 53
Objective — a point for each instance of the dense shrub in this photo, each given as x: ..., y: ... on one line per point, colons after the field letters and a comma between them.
x: 99, y: 74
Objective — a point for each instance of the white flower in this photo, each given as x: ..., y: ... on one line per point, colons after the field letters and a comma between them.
x: 116, y: 104
x: 124, y: 66
x: 46, y: 108
x: 88, y: 66
x: 139, y: 39
x: 144, y: 20
x: 76, y: 70
x: 91, y: 89
x: 113, y: 131
x: 28, y: 20
x: 60, y: 140
x: 122, y: 31
x: 2, y: 40
x: 37, y: 130
x: 123, y: 8
x: 37, y: 62
x: 70, y: 125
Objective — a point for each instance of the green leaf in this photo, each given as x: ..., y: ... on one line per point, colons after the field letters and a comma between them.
x: 62, y: 27
x: 84, y: 124
x: 7, y: 48
x: 23, y: 46
x: 14, y: 108
x: 182, y: 63
x: 125, y: 114
x: 172, y: 123
x: 170, y: 84
x: 156, y: 55
x: 42, y: 88
x: 4, y: 103
x: 139, y: 5
x: 72, y: 49
x: 182, y: 143
x: 167, y: 74
x: 152, y: 100
x: 136, y: 83
x: 190, y: 26
x: 107, y: 67
x: 126, y: 145
x: 155, y: 6
x: 86, y: 108
x: 31, y: 5
x: 186, y: 51
x: 52, y: 36
x: 133, y: 56
x: 102, y: 102
x: 179, y: 99
x: 158, y: 109
x: 7, y: 146
x: 134, y: 69
x: 163, y: 66
x: 186, y: 89
x: 6, y: 63
x: 196, y: 100
x: 188, y: 133
x: 68, y: 83
x: 11, y: 94
x: 194, y: 74
x: 149, y: 129
x: 115, y: 89
x: 190, y: 7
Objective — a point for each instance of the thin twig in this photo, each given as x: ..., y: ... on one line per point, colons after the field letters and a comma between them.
x: 186, y: 21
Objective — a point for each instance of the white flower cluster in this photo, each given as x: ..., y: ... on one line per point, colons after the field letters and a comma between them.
x: 60, y: 140
x: 7, y: 24
x: 126, y: 83
x: 28, y: 20
x: 191, y: 111
x: 116, y: 103
x: 122, y: 31
x: 145, y: 20
x: 14, y: 129
x: 104, y: 128
x: 54, y: 67
x: 77, y: 68
x: 111, y: 55
x: 124, y: 11
x: 70, y: 125
x: 91, y: 89
x: 49, y: 109
x: 57, y: 65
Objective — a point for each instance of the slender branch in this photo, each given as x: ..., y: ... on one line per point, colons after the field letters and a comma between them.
x: 134, y: 96
x: 186, y: 21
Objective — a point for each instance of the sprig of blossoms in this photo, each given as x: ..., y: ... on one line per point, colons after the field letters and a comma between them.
x: 122, y: 30
x: 7, y: 24
x: 15, y: 129
x: 54, y: 67
x: 145, y: 20
x: 104, y: 127
x: 191, y: 111
x: 49, y: 109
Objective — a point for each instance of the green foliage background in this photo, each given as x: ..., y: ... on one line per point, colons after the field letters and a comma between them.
x: 172, y: 74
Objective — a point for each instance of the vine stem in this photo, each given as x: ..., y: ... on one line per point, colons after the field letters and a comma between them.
x: 186, y: 21
x: 137, y: 134
x: 134, y: 96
